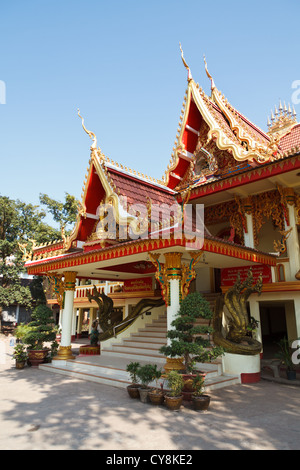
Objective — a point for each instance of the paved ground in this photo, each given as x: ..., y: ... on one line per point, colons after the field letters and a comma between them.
x: 43, y: 411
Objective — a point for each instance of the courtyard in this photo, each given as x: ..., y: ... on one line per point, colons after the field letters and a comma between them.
x: 45, y: 411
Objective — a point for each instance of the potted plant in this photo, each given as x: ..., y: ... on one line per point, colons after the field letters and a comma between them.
x: 132, y: 389
x: 156, y: 394
x: 199, y: 399
x: 174, y: 397
x: 20, y: 331
x: 285, y: 356
x: 41, y: 330
x: 145, y: 374
x: 188, y: 339
x: 20, y: 355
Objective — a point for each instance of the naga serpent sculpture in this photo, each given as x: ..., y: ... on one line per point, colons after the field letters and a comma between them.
x: 236, y: 341
x: 106, y: 314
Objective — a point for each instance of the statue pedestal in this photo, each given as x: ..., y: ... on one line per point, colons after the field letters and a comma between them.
x: 247, y: 367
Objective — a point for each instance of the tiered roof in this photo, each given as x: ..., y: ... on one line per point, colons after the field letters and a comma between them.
x: 214, y: 141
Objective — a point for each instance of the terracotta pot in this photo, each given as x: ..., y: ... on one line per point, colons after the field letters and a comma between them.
x: 144, y: 394
x: 201, y: 403
x: 36, y: 357
x: 20, y: 364
x: 133, y: 390
x: 188, y: 381
x: 291, y: 374
x: 173, y: 364
x: 156, y: 397
x: 173, y: 403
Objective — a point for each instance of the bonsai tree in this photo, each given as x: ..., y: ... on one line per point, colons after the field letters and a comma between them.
x: 198, y: 386
x: 20, y: 354
x: 185, y: 336
x: 20, y: 331
x: 146, y: 374
x: 40, y: 329
x: 175, y: 382
x: 132, y: 369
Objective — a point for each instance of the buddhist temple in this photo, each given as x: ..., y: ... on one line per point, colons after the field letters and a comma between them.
x: 228, y: 205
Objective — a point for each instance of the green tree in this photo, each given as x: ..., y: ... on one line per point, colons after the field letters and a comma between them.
x: 64, y: 213
x: 21, y: 225
x: 17, y: 221
x: 186, y: 336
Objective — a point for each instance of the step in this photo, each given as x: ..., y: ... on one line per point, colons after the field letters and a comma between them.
x: 138, y: 343
x: 119, y: 377
x: 134, y: 356
x: 147, y: 339
x: 137, y: 350
x: 149, y: 332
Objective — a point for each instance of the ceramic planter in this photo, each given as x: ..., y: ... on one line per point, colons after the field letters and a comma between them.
x: 156, y: 397
x: 291, y: 374
x: 144, y: 394
x: 188, y: 389
x: 173, y: 403
x: 37, y: 356
x: 20, y: 364
x: 133, y: 390
x: 201, y: 403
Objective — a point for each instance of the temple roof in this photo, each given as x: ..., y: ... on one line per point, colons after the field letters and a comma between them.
x: 214, y: 142
x: 213, y: 132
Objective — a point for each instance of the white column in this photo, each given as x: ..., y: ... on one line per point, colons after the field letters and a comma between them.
x: 255, y: 313
x: 64, y: 351
x: 60, y: 319
x: 292, y: 243
x: 174, y: 303
x: 297, y: 316
x: 74, y: 316
x: 249, y: 236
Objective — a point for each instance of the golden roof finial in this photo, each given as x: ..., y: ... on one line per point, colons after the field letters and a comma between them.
x: 185, y: 64
x: 208, y: 74
x: 90, y: 134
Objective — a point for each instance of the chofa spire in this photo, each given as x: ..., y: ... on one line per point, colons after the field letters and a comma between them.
x: 282, y: 119
x: 185, y: 64
x: 90, y: 134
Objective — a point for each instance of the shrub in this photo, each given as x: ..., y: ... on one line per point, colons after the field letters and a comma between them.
x: 41, y: 329
x: 185, y: 339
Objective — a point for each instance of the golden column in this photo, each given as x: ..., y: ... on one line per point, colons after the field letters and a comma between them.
x: 64, y: 351
x: 175, y: 278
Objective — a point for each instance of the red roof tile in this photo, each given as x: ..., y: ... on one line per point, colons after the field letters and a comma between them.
x: 291, y: 140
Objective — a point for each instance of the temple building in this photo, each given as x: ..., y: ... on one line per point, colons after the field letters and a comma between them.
x: 228, y: 204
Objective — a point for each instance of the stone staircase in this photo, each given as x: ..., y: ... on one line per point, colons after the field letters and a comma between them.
x: 141, y: 346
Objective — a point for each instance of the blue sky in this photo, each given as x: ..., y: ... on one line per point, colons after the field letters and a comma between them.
x: 119, y: 62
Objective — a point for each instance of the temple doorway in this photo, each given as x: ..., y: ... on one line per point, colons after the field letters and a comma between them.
x: 273, y: 326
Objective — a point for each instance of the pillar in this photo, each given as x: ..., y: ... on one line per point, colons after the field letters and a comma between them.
x: 73, y: 330
x: 64, y: 351
x: 255, y: 313
x: 297, y: 315
x: 292, y: 242
x: 93, y: 315
x: 79, y: 324
x: 249, y: 233
x: 173, y: 278
x: 60, y: 318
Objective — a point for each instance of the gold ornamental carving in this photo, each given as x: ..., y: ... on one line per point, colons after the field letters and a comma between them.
x: 64, y: 353
x: 70, y: 280
x: 172, y: 269
x: 57, y: 284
